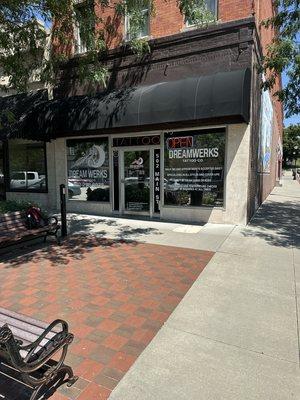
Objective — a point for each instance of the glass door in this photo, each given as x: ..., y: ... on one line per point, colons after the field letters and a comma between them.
x: 136, y: 182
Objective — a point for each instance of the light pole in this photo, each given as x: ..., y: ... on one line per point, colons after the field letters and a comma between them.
x: 295, y: 158
x: 295, y: 153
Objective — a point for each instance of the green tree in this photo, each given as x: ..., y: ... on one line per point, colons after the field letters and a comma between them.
x: 283, y: 54
x: 22, y: 36
x: 291, y: 143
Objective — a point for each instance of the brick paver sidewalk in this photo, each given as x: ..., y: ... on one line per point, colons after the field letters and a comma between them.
x: 115, y: 295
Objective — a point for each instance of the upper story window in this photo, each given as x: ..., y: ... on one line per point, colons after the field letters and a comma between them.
x: 84, y: 29
x: 210, y: 12
x: 137, y: 24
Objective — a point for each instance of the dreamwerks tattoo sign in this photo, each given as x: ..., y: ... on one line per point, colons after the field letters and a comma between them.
x: 194, y: 168
x: 88, y: 169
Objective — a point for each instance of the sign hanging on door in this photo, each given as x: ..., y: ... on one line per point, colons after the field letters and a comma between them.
x: 153, y: 140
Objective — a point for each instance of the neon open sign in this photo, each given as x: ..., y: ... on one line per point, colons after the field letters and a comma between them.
x: 182, y: 142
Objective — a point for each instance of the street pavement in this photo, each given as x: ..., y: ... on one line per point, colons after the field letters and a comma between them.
x: 235, y: 335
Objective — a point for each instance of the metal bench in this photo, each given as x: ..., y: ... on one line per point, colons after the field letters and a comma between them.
x: 27, y: 347
x: 13, y: 229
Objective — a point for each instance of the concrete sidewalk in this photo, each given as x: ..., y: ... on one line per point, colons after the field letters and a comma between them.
x: 235, y: 335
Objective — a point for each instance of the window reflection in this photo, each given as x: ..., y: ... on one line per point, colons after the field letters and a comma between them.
x: 27, y: 166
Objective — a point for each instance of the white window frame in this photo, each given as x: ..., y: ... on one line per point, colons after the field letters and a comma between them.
x: 127, y: 25
x: 79, y: 46
x: 189, y: 25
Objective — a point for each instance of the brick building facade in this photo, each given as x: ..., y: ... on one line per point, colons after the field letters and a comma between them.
x: 182, y: 133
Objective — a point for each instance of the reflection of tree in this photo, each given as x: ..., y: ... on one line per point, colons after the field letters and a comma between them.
x: 212, y: 140
x: 130, y: 156
x: 27, y: 157
x: 82, y: 146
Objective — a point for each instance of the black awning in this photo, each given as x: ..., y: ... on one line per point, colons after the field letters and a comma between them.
x: 222, y: 95
x: 14, y: 111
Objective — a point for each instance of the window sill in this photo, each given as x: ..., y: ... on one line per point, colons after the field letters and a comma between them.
x: 26, y: 191
x: 188, y: 28
x: 203, y: 207
x: 79, y: 55
x: 148, y: 37
x: 88, y: 202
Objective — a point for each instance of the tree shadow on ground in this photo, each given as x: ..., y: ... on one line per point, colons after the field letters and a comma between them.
x: 122, y: 232
x: 277, y: 223
x: 75, y: 247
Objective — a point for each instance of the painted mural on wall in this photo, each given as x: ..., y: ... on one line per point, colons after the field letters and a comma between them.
x: 194, y: 168
x: 88, y: 169
x: 266, y: 132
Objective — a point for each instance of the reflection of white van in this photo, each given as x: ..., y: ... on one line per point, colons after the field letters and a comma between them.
x: 24, y: 179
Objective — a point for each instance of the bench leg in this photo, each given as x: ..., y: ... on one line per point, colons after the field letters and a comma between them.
x: 58, y: 239
x: 64, y: 375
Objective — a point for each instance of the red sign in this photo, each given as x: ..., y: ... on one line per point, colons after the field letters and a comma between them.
x: 180, y: 142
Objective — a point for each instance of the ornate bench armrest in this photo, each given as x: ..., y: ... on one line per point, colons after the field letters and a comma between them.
x: 8, y: 342
x: 35, y: 359
x: 52, y: 221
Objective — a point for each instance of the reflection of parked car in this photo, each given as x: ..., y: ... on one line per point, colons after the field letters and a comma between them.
x: 39, y: 185
x: 81, y: 182
x: 24, y: 179
x: 131, y: 180
x: 73, y: 189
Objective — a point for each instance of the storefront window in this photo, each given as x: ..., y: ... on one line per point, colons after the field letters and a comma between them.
x: 27, y: 166
x: 194, y: 168
x: 88, y: 169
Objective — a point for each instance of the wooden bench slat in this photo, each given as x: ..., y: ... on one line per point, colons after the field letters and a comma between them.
x: 13, y: 226
x: 22, y: 317
x: 25, y: 327
x: 7, y: 217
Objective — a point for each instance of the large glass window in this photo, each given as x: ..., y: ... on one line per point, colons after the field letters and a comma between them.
x: 206, y: 9
x: 88, y: 169
x: 194, y: 168
x: 27, y: 166
x: 137, y: 24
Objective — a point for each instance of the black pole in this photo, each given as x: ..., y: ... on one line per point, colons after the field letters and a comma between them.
x: 63, y: 210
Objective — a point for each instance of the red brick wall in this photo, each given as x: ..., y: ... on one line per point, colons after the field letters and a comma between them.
x: 231, y: 10
x: 167, y: 19
x: 263, y: 10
